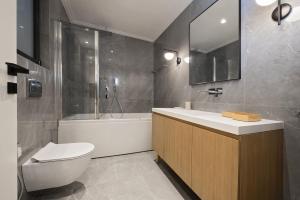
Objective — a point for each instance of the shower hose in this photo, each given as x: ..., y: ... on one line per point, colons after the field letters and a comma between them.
x: 115, y: 98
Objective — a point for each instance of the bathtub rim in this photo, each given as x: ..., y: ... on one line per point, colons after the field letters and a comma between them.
x: 102, y: 120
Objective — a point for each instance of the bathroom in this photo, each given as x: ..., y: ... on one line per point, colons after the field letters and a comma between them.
x: 137, y: 100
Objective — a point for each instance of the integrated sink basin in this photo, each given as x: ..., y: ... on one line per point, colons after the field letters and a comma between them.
x: 218, y: 122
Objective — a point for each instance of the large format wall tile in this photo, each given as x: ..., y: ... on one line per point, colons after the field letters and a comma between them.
x: 131, y: 61
x: 37, y: 123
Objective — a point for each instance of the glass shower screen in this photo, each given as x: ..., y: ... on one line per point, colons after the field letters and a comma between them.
x: 77, y: 71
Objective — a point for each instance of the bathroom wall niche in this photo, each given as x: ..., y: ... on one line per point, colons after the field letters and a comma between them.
x: 215, y: 45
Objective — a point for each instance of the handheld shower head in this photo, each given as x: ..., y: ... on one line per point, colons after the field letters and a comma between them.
x: 115, y: 83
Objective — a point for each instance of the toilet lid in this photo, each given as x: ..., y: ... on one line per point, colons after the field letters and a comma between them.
x: 56, y: 152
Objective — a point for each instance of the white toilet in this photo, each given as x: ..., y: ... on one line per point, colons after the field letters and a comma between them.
x: 56, y: 165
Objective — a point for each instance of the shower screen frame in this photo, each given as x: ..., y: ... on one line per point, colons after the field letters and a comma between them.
x: 58, y: 68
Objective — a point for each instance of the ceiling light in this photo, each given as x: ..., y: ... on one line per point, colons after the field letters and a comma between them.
x: 223, y: 21
x: 169, y: 55
x: 264, y: 2
x: 86, y: 42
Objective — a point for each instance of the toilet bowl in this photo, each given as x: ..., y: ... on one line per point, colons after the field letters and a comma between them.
x: 56, y: 165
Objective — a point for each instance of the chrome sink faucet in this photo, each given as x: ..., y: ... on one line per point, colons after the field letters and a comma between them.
x: 215, y: 91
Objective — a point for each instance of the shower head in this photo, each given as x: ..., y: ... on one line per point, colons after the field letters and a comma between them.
x: 115, y: 81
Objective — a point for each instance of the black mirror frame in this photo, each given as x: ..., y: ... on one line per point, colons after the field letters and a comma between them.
x: 240, y: 42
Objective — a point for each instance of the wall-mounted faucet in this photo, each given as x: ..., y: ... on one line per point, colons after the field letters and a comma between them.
x: 215, y: 91
x: 106, y: 92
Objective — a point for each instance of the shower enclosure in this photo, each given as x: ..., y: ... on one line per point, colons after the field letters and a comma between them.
x: 83, y: 86
x: 77, y: 70
x: 87, y: 94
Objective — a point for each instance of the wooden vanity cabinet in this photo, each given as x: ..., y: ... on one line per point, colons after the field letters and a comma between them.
x: 218, y: 165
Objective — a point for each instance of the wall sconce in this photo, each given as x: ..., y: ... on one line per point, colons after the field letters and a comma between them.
x: 170, y: 54
x: 282, y: 11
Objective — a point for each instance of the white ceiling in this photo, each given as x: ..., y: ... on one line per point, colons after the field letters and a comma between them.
x: 208, y: 34
x: 143, y: 19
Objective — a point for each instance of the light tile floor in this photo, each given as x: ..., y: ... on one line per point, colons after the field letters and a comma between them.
x: 128, y: 177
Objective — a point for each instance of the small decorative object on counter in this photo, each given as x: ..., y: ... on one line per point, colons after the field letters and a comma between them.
x: 243, y: 116
x: 188, y: 105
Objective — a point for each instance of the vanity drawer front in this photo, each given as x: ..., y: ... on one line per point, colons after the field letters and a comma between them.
x: 178, y: 149
x: 261, y: 166
x: 158, y: 134
x: 172, y: 141
x: 215, y: 165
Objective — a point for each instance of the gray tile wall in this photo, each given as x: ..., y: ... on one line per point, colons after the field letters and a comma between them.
x: 37, y: 123
x: 35, y: 113
x: 50, y: 10
x: 131, y: 61
x: 270, y: 76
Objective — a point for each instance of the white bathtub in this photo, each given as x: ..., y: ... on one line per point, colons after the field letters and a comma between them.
x: 111, y: 134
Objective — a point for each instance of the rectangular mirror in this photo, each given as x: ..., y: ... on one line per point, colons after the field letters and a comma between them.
x: 215, y: 45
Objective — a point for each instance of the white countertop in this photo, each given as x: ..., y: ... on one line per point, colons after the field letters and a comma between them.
x: 217, y: 121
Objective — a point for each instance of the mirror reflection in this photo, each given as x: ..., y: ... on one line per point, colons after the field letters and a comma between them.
x: 215, y: 44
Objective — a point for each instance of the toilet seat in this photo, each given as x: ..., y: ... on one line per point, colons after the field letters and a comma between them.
x: 59, y: 152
